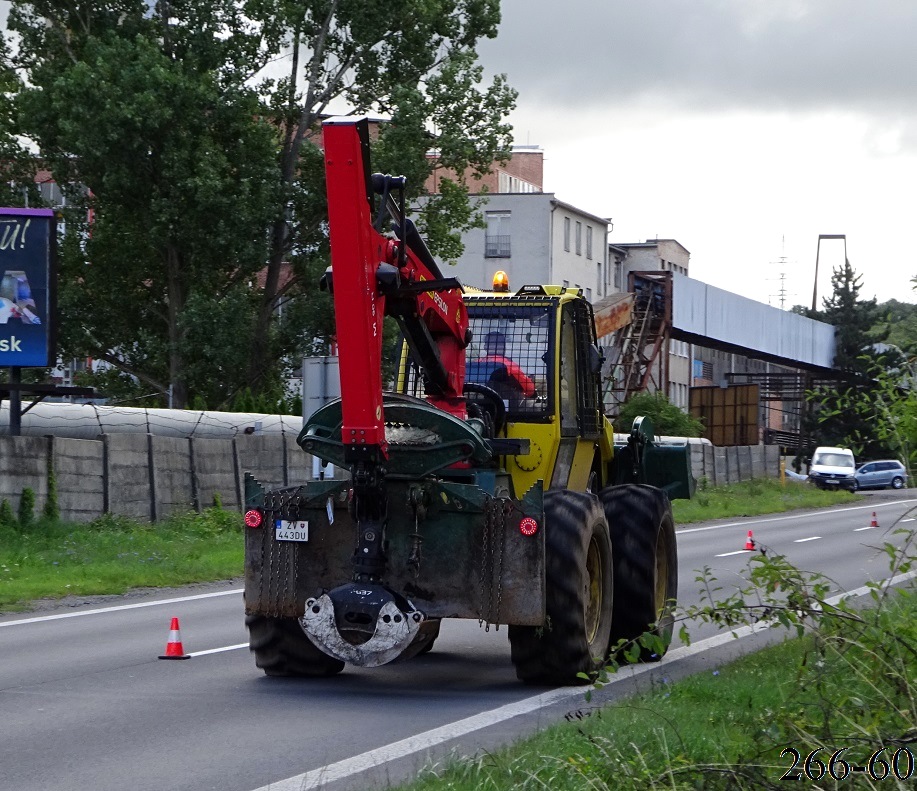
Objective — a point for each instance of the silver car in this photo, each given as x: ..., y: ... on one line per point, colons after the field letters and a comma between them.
x: 880, y: 474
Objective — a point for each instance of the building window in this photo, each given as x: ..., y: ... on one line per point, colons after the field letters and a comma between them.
x: 589, y: 242
x: 579, y: 238
x: 589, y: 295
x: 497, y: 236
x: 567, y: 234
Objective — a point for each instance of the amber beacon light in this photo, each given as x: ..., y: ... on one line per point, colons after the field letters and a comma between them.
x: 501, y: 281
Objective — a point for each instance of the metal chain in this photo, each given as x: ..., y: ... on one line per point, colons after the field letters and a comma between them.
x: 488, y: 547
x: 505, y: 511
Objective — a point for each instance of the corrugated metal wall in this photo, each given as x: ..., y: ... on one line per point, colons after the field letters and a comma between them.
x: 702, y: 310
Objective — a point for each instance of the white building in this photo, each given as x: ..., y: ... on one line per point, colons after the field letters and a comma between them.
x: 536, y: 238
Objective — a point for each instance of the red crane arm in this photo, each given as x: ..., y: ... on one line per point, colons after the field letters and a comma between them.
x: 374, y: 275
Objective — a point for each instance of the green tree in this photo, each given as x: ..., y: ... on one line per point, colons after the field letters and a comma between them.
x: 832, y: 418
x: 898, y: 324
x: 668, y: 419
x: 204, y: 176
x: 414, y: 62
x: 17, y: 166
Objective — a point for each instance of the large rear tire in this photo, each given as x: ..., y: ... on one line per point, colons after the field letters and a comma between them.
x: 281, y: 648
x: 578, y: 595
x: 645, y: 564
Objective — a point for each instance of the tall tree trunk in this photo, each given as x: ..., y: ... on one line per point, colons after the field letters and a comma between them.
x: 178, y: 395
x: 259, y: 360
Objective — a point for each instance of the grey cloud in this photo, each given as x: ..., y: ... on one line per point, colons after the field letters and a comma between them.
x: 769, y: 54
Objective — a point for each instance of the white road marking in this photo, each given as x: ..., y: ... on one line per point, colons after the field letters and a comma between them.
x: 218, y: 650
x: 909, y: 519
x: 368, y: 760
x: 788, y: 518
x: 737, y: 552
x: 803, y: 540
x: 101, y: 610
x: 325, y: 775
x: 868, y: 527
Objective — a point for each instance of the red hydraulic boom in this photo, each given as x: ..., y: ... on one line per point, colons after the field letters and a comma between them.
x: 373, y: 275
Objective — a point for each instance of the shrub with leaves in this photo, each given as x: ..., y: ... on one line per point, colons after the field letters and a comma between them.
x: 27, y: 507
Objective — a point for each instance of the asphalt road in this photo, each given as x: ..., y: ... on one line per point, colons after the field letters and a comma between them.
x: 86, y: 704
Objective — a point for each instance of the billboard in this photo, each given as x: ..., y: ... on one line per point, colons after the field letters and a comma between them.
x: 28, y: 280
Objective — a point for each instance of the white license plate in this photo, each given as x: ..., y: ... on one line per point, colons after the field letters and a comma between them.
x: 291, y: 531
x: 831, y: 480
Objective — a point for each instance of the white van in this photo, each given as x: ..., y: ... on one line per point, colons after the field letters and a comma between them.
x: 833, y: 468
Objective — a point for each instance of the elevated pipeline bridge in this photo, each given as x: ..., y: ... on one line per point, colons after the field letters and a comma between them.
x: 661, y: 307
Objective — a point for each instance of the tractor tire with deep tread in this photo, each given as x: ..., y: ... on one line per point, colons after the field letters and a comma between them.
x: 281, y: 648
x: 645, y: 563
x: 578, y: 590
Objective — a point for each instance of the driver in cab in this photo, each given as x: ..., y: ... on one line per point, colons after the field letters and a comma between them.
x: 495, y: 354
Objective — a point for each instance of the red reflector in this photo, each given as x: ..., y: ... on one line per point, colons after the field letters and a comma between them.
x: 253, y: 518
x: 528, y: 526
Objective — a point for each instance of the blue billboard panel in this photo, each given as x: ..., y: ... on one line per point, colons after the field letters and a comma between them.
x: 28, y: 279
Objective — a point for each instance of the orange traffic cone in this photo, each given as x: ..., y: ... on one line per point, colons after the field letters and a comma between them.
x: 874, y: 522
x: 750, y: 542
x: 174, y: 648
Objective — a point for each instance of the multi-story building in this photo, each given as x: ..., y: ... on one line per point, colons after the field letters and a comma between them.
x: 536, y: 238
x: 530, y: 234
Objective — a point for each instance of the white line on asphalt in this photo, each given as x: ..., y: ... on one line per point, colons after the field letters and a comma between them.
x: 218, y: 650
x: 101, y: 610
x: 803, y: 540
x: 788, y: 518
x: 868, y: 527
x: 325, y: 775
x: 737, y: 552
x: 909, y: 519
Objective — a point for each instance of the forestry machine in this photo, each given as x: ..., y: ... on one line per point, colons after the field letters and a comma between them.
x: 485, y: 485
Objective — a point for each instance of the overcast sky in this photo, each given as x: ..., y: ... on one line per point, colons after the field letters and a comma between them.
x: 741, y: 128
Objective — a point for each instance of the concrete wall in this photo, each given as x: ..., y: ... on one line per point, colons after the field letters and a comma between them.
x: 143, y: 476
x: 722, y: 465
x: 147, y: 477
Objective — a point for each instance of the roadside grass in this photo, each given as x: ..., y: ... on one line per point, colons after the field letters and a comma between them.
x: 838, y: 693
x: 753, y: 498
x: 643, y: 743
x: 51, y: 559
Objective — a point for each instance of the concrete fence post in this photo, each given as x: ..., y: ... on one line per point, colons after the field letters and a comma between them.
x: 106, y: 476
x: 151, y: 465
x: 195, y: 482
x: 237, y: 474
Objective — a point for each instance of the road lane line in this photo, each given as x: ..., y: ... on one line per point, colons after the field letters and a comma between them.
x: 752, y: 520
x: 737, y: 552
x: 116, y: 608
x: 218, y: 650
x: 325, y: 775
x: 868, y: 527
x: 803, y: 540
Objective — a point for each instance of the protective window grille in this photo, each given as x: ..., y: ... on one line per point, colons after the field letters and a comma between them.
x: 497, y: 247
x: 510, y: 352
x: 589, y: 383
x: 527, y: 332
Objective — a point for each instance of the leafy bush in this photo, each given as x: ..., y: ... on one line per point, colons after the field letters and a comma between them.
x: 668, y: 419
x: 27, y: 507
